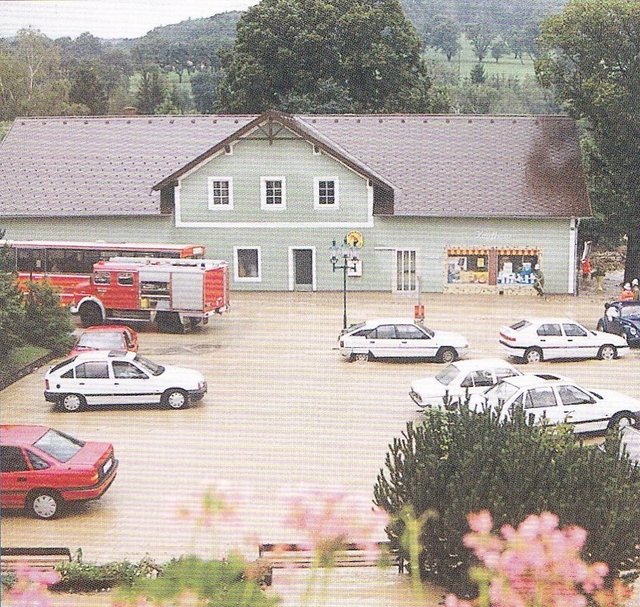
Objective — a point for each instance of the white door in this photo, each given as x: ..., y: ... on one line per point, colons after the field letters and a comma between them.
x: 552, y: 341
x: 132, y: 385
x: 414, y: 342
x: 382, y: 342
x: 406, y: 277
x: 580, y: 343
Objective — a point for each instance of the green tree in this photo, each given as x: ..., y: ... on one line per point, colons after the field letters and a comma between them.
x: 481, y: 36
x: 477, y: 75
x: 88, y: 88
x: 285, y: 48
x: 445, y: 36
x: 499, y: 49
x: 151, y: 91
x: 204, y: 88
x: 11, y: 308
x: 592, y: 62
x: 46, y: 322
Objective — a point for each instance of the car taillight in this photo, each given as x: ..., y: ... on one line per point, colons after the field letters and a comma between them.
x: 507, y: 337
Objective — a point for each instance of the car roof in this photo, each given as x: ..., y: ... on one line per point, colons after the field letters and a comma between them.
x: 104, y: 355
x: 533, y: 380
x: 19, y: 434
x: 374, y: 322
x: 473, y: 364
x: 100, y: 328
x: 548, y: 319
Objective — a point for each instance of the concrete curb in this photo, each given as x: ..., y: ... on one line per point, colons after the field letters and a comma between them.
x: 20, y: 373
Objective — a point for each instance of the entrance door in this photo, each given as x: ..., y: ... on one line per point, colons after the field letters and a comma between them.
x: 406, y: 280
x: 302, y: 269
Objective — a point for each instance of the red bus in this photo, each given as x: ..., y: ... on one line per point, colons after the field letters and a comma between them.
x: 67, y: 263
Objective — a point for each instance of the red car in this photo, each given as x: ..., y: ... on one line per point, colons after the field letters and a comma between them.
x: 106, y: 337
x: 42, y: 469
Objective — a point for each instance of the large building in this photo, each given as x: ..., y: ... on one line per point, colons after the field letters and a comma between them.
x: 450, y: 202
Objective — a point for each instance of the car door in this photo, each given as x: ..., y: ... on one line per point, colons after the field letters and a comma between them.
x: 541, y: 406
x: 93, y: 381
x: 15, y: 475
x: 581, y: 409
x: 132, y: 385
x: 580, y: 342
x: 382, y: 342
x: 552, y: 341
x: 413, y: 342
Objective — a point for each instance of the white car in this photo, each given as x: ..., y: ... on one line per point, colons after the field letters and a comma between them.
x: 120, y: 378
x: 559, y: 401
x: 535, y: 339
x: 400, y: 338
x: 460, y: 379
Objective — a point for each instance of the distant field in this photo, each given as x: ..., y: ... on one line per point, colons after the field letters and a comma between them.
x: 462, y: 63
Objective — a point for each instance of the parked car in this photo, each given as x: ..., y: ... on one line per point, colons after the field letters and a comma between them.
x: 106, y: 337
x: 457, y: 380
x: 630, y: 443
x: 626, y: 323
x: 43, y: 469
x: 555, y: 401
x: 534, y: 339
x: 400, y: 338
x: 120, y: 378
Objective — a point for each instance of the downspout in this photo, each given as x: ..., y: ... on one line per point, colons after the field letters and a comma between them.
x: 573, y: 255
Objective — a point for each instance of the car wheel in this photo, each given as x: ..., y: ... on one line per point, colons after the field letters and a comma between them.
x: 362, y: 357
x: 532, y: 355
x: 621, y: 420
x: 90, y: 314
x: 175, y: 398
x: 446, y: 355
x: 607, y: 352
x: 72, y: 402
x: 45, y: 504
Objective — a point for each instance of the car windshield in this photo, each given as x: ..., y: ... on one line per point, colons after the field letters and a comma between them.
x: 499, y: 394
x: 630, y: 311
x: 149, y: 365
x: 59, y: 445
x: 448, y: 374
x: 520, y: 325
x: 108, y: 340
x: 428, y: 331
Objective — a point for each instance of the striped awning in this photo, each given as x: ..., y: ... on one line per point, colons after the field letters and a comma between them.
x: 518, y: 251
x: 460, y: 251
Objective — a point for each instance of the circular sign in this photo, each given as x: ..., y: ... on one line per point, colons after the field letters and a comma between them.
x: 355, y: 239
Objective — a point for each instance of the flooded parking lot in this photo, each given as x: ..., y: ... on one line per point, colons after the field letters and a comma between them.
x: 283, y: 410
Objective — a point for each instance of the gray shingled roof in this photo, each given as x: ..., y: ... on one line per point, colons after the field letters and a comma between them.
x: 455, y: 166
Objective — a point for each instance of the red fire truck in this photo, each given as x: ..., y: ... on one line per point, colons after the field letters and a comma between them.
x: 175, y: 293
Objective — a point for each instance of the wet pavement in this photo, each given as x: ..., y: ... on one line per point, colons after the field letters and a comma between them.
x: 283, y: 411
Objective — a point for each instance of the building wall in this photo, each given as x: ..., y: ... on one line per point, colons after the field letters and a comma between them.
x: 430, y: 237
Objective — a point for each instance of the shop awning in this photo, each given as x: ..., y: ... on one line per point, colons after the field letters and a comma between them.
x: 518, y: 251
x: 460, y: 251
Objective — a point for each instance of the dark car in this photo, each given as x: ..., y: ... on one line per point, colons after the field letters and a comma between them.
x: 627, y: 323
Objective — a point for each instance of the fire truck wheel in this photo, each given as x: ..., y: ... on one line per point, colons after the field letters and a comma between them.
x: 90, y: 314
x: 175, y: 398
x: 169, y: 322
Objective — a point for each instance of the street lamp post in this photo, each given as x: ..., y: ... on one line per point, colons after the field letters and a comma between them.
x: 349, y: 256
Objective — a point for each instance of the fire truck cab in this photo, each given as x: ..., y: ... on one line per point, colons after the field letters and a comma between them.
x: 177, y: 294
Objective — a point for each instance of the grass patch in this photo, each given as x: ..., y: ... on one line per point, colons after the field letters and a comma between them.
x: 20, y: 357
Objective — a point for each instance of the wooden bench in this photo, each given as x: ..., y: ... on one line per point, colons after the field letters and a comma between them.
x: 279, y: 556
x: 37, y: 558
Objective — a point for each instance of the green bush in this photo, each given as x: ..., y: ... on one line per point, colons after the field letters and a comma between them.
x: 78, y: 576
x: 455, y: 463
x: 47, y: 323
x: 11, y: 314
x: 215, y: 583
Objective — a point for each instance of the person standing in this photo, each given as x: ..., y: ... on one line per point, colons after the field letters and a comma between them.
x: 627, y: 293
x: 538, y: 280
x: 635, y: 289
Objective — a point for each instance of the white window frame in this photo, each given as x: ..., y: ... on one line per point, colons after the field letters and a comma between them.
x: 410, y: 262
x: 236, y: 265
x: 219, y: 207
x: 263, y: 193
x: 316, y: 193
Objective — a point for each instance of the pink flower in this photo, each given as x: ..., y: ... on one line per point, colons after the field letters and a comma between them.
x: 480, y: 522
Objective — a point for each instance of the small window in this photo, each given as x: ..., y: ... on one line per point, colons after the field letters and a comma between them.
x: 12, y: 459
x: 37, y: 463
x: 482, y: 379
x: 572, y: 330
x: 540, y: 397
x: 325, y: 192
x: 361, y: 333
x: 92, y: 370
x: 549, y: 330
x: 125, y: 370
x: 571, y: 395
x: 125, y: 279
x: 248, y: 264
x: 67, y: 374
x: 384, y: 332
x: 273, y: 193
x: 101, y: 278
x: 409, y: 332
x: 467, y: 382
x: 220, y: 193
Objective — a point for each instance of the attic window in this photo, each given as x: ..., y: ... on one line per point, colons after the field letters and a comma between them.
x: 316, y: 150
x: 228, y: 150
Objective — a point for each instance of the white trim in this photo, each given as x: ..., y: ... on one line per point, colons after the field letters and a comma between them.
x: 316, y: 193
x: 292, y: 285
x: 237, y: 278
x: 395, y: 270
x: 219, y: 207
x: 263, y: 193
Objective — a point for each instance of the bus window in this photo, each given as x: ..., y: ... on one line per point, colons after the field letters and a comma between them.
x: 65, y: 261
x: 88, y: 259
x: 30, y: 260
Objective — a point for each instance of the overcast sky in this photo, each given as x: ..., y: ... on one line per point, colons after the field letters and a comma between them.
x: 106, y: 18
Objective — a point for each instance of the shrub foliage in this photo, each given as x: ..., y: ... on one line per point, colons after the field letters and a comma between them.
x: 454, y: 463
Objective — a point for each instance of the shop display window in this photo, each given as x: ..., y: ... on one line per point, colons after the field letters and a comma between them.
x: 468, y: 269
x: 516, y: 269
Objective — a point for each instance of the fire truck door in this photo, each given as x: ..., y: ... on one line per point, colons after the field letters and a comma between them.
x: 186, y: 290
x: 123, y: 292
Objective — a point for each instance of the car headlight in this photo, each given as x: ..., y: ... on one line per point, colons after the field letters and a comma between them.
x: 633, y: 331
